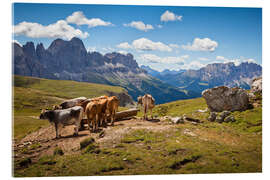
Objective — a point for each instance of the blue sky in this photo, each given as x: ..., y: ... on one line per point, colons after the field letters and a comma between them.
x: 163, y: 37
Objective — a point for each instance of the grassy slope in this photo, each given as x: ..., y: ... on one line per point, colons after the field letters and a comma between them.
x: 215, y: 148
x: 32, y: 94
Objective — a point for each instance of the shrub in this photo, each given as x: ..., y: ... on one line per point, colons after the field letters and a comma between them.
x: 84, y: 143
x: 58, y: 151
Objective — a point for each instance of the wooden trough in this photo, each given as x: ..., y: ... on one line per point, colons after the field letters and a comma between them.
x: 120, y: 116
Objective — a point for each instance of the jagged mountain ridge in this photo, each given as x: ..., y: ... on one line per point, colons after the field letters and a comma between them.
x: 69, y: 60
x: 216, y: 74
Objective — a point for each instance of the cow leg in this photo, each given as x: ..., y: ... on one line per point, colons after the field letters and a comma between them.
x: 95, y: 122
x: 105, y: 120
x: 145, y: 113
x: 88, y: 122
x: 151, y: 113
x: 113, y: 118
x: 56, y: 130
x: 76, y: 129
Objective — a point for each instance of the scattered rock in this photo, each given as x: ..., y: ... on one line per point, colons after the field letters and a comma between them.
x: 256, y: 85
x: 229, y: 119
x: 186, y: 118
x: 188, y: 132
x: 223, y: 98
x: 202, y: 111
x: 212, y: 117
x: 177, y: 120
x: 224, y: 114
x: 219, y: 119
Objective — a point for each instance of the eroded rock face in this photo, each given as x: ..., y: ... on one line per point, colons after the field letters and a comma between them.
x: 223, y: 98
x: 256, y: 85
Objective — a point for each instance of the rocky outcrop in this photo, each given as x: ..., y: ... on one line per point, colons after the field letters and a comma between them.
x: 223, y: 98
x: 256, y: 85
x: 124, y: 98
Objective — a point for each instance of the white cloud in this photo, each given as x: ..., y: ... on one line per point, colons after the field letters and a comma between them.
x: 15, y: 41
x: 79, y: 19
x: 159, y: 26
x: 148, y: 45
x: 144, y: 44
x: 193, y: 65
x: 60, y: 29
x: 170, y: 16
x: 203, y: 59
x: 91, y: 49
x: 174, y: 45
x: 152, y: 58
x: 237, y: 61
x: 250, y: 61
x: 140, y: 25
x: 124, y: 45
x: 123, y: 52
x: 198, y: 44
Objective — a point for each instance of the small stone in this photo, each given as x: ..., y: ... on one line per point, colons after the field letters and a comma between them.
x: 229, y: 119
x: 212, y: 117
x: 177, y: 120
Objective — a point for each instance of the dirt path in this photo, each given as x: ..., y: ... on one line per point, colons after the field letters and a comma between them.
x: 43, y: 142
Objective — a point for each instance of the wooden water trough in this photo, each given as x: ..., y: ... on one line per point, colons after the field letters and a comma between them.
x: 120, y: 116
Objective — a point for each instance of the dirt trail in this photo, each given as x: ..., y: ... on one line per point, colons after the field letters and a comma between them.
x: 43, y: 142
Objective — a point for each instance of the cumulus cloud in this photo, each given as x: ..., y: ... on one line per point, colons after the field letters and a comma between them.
x: 123, y: 52
x: 140, y: 26
x: 203, y: 59
x: 174, y: 45
x: 193, y: 65
x: 159, y: 26
x: 152, y: 58
x: 79, y: 18
x: 124, y: 45
x: 236, y: 61
x: 170, y: 16
x: 91, y: 49
x: 145, y: 44
x: 60, y: 29
x: 148, y: 45
x: 198, y: 44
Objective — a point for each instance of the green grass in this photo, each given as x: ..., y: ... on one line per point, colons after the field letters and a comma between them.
x: 23, y: 125
x: 30, y: 95
x: 147, y: 152
x: 234, y: 147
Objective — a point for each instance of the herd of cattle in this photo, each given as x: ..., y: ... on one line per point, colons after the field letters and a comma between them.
x: 98, y: 111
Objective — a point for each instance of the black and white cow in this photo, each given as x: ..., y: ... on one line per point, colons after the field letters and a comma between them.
x: 64, y: 117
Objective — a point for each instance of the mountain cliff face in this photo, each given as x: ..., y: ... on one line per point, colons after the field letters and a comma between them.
x: 69, y: 60
x: 212, y: 75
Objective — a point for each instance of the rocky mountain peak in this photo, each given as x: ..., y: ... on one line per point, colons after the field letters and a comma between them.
x: 29, y: 49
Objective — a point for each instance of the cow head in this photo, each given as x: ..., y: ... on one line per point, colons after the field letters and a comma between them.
x: 43, y: 114
x: 55, y: 107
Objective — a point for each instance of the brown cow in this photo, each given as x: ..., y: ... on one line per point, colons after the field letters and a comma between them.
x: 100, y: 103
x: 91, y: 111
x: 148, y: 103
x: 112, y: 107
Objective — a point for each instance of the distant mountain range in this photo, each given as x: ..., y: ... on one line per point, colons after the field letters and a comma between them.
x: 69, y: 60
x: 217, y: 74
